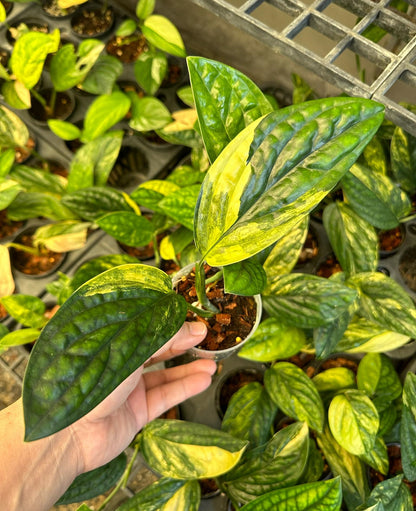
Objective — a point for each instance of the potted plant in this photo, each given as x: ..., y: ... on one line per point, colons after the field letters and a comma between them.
x: 234, y: 228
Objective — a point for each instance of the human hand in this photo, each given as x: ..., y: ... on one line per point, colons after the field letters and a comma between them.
x: 109, y: 428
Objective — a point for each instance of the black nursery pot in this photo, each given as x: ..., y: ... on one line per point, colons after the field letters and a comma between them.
x: 391, y: 240
x: 52, y: 9
x: 36, y: 25
x: 92, y: 21
x: 64, y: 106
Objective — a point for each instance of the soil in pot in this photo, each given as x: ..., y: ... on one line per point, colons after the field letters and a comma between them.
x: 4, y: 57
x: 328, y: 267
x: 174, y: 74
x: 209, y: 488
x: 52, y: 166
x: 407, y: 267
x: 142, y: 253
x: 390, y: 241
x: 52, y: 9
x: 35, y: 26
x: 310, y: 248
x: 23, y: 153
x: 395, y: 468
x: 127, y: 49
x: 8, y: 227
x: 30, y: 264
x: 232, y: 324
x: 92, y: 21
x: 63, y: 108
x: 8, y: 6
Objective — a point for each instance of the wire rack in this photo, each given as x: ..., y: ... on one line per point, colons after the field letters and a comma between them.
x: 341, y: 28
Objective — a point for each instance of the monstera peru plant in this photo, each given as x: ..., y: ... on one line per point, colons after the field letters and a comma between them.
x: 269, y: 170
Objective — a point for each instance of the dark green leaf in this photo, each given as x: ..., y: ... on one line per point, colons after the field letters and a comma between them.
x: 94, y: 202
x: 277, y: 464
x: 384, y: 302
x: 31, y: 205
x: 250, y: 414
x: 109, y: 327
x: 276, y: 171
x: 103, y: 75
x: 319, y: 496
x: 150, y: 193
x: 378, y: 378
x: 273, y: 340
x: 315, y: 464
x: 377, y: 457
x: 131, y: 229
x: 95, y: 482
x: 295, y: 394
x: 36, y: 180
x: 226, y: 101
x: 307, y: 301
x: 180, y: 205
x: 375, y: 197
x: 353, y: 240
x: 150, y: 69
x: 166, y: 494
x: 326, y: 337
x: 245, y: 278
x: 185, y: 175
x: 390, y: 495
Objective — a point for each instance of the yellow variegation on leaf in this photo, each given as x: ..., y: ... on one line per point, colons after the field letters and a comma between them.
x: 7, y: 285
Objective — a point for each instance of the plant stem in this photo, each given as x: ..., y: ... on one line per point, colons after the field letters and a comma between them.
x: 156, y: 250
x: 24, y: 248
x: 122, y: 482
x: 52, y: 102
x: 40, y: 98
x: 215, y: 277
x: 200, y: 288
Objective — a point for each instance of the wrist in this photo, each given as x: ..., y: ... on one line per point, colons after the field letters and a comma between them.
x: 26, y: 475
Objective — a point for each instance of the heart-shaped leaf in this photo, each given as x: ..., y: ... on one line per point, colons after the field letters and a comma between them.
x: 36, y: 180
x: 180, y: 205
x: 184, y: 450
x: 28, y: 310
x: 389, y: 495
x: 273, y: 340
x: 307, y: 301
x: 223, y: 109
x: 95, y: 482
x: 150, y: 69
x: 375, y: 197
x: 13, y: 131
x: 295, y: 394
x: 109, y: 327
x: 250, y: 414
x: 127, y: 227
x: 163, y: 34
x: 148, y: 114
x: 103, y: 75
x: 245, y: 278
x: 274, y: 172
x: 384, y: 302
x: 353, y: 240
x: 319, y: 496
x: 354, y: 421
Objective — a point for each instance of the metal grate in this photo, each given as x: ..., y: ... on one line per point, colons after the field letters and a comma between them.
x: 283, y: 25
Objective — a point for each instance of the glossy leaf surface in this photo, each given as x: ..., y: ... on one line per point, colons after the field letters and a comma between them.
x: 384, y: 302
x: 32, y: 204
x: 403, y: 159
x: 307, y: 301
x: 28, y: 310
x: 161, y: 32
x: 375, y: 197
x: 101, y: 334
x: 226, y: 101
x: 94, y: 202
x: 9, y: 190
x: 319, y: 496
x: 18, y: 338
x: 64, y: 130
x: 326, y: 338
x: 333, y: 380
x: 273, y: 340
x: 295, y: 394
x: 354, y: 421
x: 277, y: 464
x: 245, y: 278
x: 148, y: 114
x: 275, y: 172
x: 250, y: 414
x: 127, y: 227
x: 36, y: 180
x: 150, y: 69
x: 185, y: 450
x: 165, y: 494
x: 102, y: 77
x: 95, y: 482
x: 377, y: 458
x: 408, y: 427
x: 378, y: 378
x: 180, y: 205
x: 353, y: 240
x: 93, y: 162
x: 389, y: 495
x: 103, y: 113
x: 351, y: 469
x: 29, y: 54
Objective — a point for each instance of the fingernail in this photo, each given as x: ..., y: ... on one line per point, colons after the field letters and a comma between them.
x: 197, y: 328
